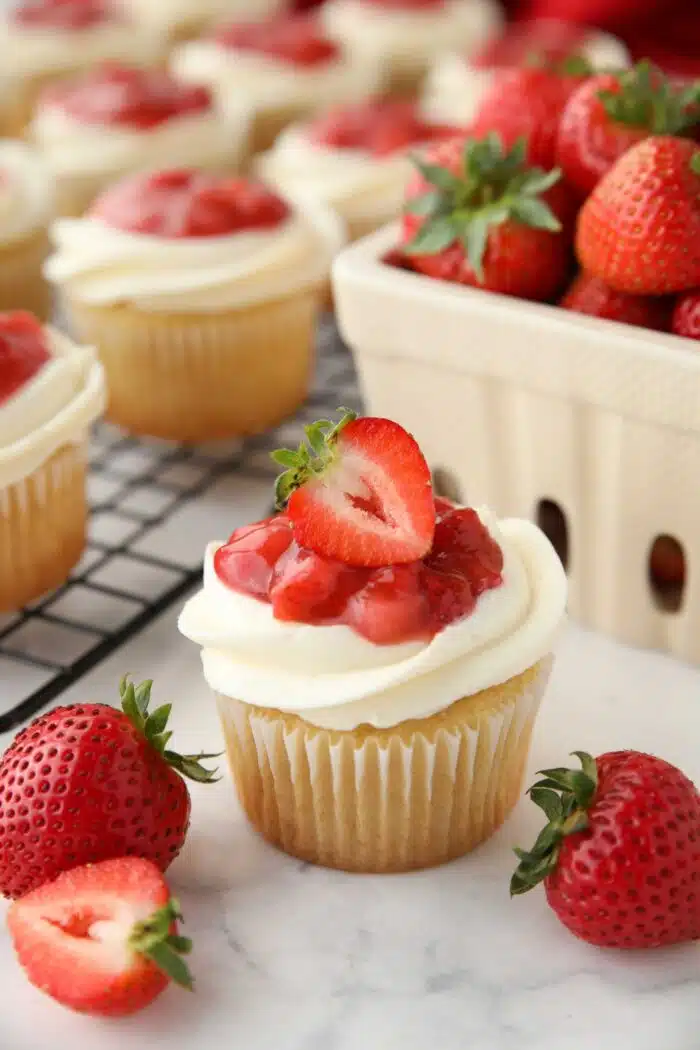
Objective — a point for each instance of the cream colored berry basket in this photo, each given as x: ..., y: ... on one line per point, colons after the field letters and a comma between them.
x: 590, y: 427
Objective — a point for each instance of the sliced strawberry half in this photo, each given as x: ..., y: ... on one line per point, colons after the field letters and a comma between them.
x: 101, y: 939
x: 359, y: 492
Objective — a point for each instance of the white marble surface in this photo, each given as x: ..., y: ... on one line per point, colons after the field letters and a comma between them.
x: 288, y: 957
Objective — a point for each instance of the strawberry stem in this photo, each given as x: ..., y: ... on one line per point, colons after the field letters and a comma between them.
x: 648, y: 99
x: 135, y: 701
x: 311, y: 458
x: 153, y: 938
x: 565, y: 796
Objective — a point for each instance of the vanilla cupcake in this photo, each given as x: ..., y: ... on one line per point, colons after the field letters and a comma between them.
x: 117, y: 119
x: 26, y: 206
x: 42, y: 41
x: 201, y: 295
x: 50, y: 393
x: 179, y: 20
x: 378, y: 656
x: 459, y: 80
x: 355, y: 158
x: 408, y: 35
x: 286, y: 67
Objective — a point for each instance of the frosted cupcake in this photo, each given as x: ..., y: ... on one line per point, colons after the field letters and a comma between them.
x: 408, y: 35
x: 201, y: 294
x: 286, y: 66
x: 116, y: 119
x: 180, y: 20
x: 25, y: 210
x: 44, y: 40
x: 50, y: 393
x: 459, y: 80
x: 355, y: 158
x: 378, y: 656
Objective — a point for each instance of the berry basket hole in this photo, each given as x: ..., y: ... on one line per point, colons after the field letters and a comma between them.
x: 445, y: 484
x: 552, y: 520
x: 667, y: 573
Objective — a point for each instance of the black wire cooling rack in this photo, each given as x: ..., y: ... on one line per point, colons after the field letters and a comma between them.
x: 153, y: 506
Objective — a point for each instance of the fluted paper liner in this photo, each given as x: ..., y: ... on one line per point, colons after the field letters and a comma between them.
x: 385, y: 800
x: 200, y: 377
x: 42, y: 528
x: 22, y: 285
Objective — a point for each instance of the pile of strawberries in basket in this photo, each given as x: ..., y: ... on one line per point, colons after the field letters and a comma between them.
x: 570, y: 188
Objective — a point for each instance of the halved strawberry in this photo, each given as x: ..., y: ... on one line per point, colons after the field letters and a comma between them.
x: 359, y: 492
x: 101, y: 939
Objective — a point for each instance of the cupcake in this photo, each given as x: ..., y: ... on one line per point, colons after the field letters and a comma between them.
x: 408, y: 35
x: 355, y: 158
x: 45, y: 40
x: 378, y: 655
x: 286, y: 66
x: 50, y: 393
x: 180, y: 20
x: 201, y: 294
x: 459, y: 80
x: 117, y: 119
x: 25, y: 210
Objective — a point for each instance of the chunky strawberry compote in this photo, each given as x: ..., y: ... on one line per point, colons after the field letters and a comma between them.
x: 378, y: 127
x: 129, y: 96
x: 185, y: 203
x: 64, y: 14
x: 23, y: 351
x: 296, y: 39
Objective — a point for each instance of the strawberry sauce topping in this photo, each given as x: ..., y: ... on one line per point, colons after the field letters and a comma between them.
x: 128, y: 96
x: 23, y: 352
x: 185, y: 203
x: 64, y: 14
x: 388, y: 604
x: 546, y: 42
x: 293, y: 38
x: 379, y: 127
x: 406, y: 5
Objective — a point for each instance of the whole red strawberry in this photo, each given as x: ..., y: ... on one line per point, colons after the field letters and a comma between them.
x: 526, y: 103
x: 686, y: 316
x: 589, y: 295
x: 610, y: 113
x: 620, y: 856
x: 639, y: 231
x: 88, y: 782
x: 478, y: 215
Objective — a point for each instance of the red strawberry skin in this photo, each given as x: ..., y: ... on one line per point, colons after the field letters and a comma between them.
x: 589, y: 295
x: 639, y: 231
x: 632, y: 879
x: 23, y: 351
x: 686, y: 316
x: 526, y: 103
x: 50, y: 929
x: 79, y: 785
x: 374, y: 505
x: 589, y: 141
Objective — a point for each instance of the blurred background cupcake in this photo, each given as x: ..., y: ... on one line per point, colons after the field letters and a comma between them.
x: 116, y: 119
x: 26, y: 206
x: 287, y: 67
x: 180, y: 20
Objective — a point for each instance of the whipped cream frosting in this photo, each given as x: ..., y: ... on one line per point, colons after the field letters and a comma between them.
x: 359, y: 185
x: 36, y: 51
x: 55, y: 408
x: 171, y: 15
x: 210, y: 139
x: 454, y: 89
x: 412, y: 36
x: 26, y: 196
x: 334, y: 678
x: 271, y: 83
x: 101, y: 265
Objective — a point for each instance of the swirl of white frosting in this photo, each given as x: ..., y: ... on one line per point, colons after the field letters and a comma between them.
x: 210, y: 139
x: 454, y: 89
x: 26, y: 196
x: 412, y: 36
x: 55, y: 408
x: 171, y: 15
x: 334, y: 678
x: 101, y: 265
x: 36, y: 51
x: 269, y: 83
x: 359, y: 186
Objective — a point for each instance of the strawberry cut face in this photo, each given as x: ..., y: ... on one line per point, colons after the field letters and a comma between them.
x: 23, y: 352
